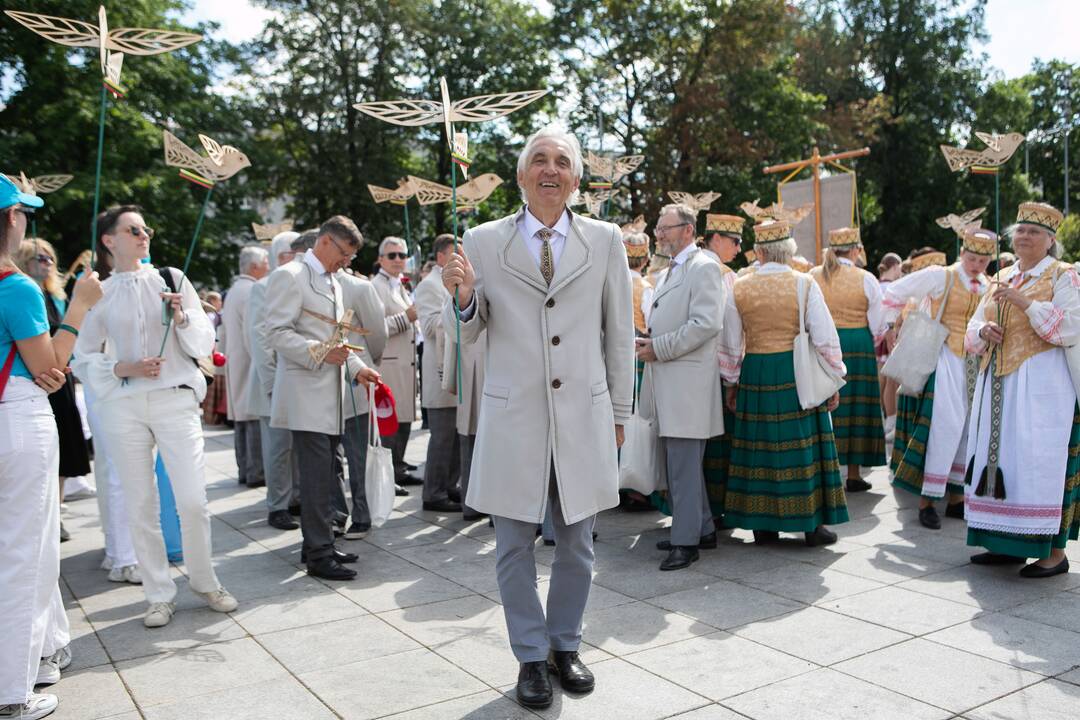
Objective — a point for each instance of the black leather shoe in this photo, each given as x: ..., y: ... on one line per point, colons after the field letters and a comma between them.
x: 409, y: 479
x: 955, y: 510
x: 294, y: 510
x: 282, y: 520
x: 409, y: 467
x: 329, y: 569
x: 454, y: 494
x: 443, y: 506
x: 1037, y: 571
x: 821, y: 536
x: 470, y: 515
x: 764, y: 537
x: 989, y: 558
x: 705, y: 542
x: 342, y: 557
x: 857, y: 485
x: 400, y: 491
x: 534, y: 685
x: 929, y: 518
x: 680, y: 557
x: 572, y: 673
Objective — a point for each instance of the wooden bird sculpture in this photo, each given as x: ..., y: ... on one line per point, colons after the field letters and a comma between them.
x: 637, y: 225
x: 611, y: 169
x: 594, y: 199
x: 41, y: 184
x: 699, y: 202
x: 221, y: 161
x: 271, y: 230
x: 999, y: 148
x: 397, y: 196
x: 777, y: 211
x: 960, y: 223
x: 469, y: 195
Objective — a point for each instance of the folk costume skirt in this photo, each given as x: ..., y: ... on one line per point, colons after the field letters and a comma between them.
x: 784, y: 474
x: 860, y: 436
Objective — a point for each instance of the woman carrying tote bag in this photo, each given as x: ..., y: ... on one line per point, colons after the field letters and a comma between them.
x: 783, y: 475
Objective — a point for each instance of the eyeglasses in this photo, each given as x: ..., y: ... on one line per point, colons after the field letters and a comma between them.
x: 662, y: 230
x: 344, y: 253
x: 44, y: 260
x: 136, y: 231
x: 396, y: 256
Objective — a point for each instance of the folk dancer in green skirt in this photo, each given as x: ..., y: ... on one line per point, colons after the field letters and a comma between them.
x: 930, y: 458
x: 1023, y: 475
x: 784, y: 475
x: 854, y: 299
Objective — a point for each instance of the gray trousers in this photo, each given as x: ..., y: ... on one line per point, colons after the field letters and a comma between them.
x: 315, y: 456
x: 248, y: 448
x: 279, y: 464
x: 531, y: 634
x: 691, y: 516
x: 355, y: 442
x: 397, y: 444
x: 442, y: 467
x: 465, y: 446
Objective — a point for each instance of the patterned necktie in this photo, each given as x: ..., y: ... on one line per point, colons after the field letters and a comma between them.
x: 547, y: 265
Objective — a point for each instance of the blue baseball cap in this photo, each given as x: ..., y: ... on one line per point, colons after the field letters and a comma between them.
x: 11, y: 195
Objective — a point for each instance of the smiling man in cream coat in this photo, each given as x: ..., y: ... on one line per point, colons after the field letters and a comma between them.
x: 681, y: 387
x: 553, y: 292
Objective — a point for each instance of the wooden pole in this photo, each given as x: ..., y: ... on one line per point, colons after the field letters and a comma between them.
x: 815, y: 168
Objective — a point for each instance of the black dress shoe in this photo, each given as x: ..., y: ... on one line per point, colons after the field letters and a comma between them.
x: 929, y: 518
x: 409, y: 467
x: 1035, y: 570
x: 443, y: 506
x: 534, y: 685
x: 342, y: 557
x: 454, y: 494
x: 705, y: 542
x: 857, y: 485
x: 282, y: 520
x: 409, y: 479
x: 572, y: 673
x: 357, y: 531
x: 329, y: 569
x: 400, y: 491
x: 989, y: 558
x: 294, y: 510
x: 764, y: 537
x: 469, y: 515
x: 821, y: 536
x: 256, y: 484
x: 549, y: 543
x: 955, y: 510
x: 680, y: 557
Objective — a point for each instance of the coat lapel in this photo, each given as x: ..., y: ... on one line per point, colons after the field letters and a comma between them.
x: 317, y: 286
x: 515, y: 258
x: 670, y: 283
x: 575, y: 259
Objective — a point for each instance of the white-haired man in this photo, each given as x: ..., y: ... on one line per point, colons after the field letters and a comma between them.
x: 398, y: 365
x: 553, y: 292
x: 235, y: 344
x: 282, y: 478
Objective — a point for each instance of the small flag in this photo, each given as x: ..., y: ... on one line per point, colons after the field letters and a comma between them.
x: 196, y: 179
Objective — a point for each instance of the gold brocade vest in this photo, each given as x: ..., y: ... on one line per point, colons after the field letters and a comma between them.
x: 959, y: 308
x: 639, y: 285
x: 1021, y: 343
x: 769, y: 308
x: 844, y: 295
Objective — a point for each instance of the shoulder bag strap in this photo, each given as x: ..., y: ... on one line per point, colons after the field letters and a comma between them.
x: 9, y: 362
x: 945, y: 296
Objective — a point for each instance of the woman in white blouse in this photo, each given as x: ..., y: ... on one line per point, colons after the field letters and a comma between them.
x: 1023, y: 469
x: 147, y: 398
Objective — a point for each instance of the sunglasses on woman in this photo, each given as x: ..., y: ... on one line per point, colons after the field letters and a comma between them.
x: 395, y: 256
x: 44, y: 260
x: 136, y: 231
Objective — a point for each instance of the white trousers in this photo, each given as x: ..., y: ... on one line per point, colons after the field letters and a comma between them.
x: 119, y: 549
x: 32, y: 618
x: 132, y: 426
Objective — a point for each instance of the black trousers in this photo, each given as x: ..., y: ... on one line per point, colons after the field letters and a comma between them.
x: 315, y: 457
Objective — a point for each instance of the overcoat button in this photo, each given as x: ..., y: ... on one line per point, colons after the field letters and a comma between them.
x: 556, y: 383
x: 550, y: 303
x: 555, y: 340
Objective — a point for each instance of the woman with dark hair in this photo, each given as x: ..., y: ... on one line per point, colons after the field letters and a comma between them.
x: 33, y: 623
x: 137, y: 353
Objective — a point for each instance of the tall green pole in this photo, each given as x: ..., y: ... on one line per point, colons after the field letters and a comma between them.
x: 187, y: 264
x: 97, y: 174
x: 457, y: 291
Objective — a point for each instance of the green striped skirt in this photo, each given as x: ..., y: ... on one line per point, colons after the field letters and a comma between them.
x: 906, y: 407
x: 860, y: 436
x: 909, y: 456
x: 783, y: 474
x: 1039, y: 546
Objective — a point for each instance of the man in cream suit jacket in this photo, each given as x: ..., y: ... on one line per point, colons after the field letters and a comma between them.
x: 681, y: 387
x: 308, y: 395
x: 553, y: 292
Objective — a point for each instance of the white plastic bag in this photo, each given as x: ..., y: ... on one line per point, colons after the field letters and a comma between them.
x: 379, y: 473
x: 638, y: 456
x: 815, y: 381
x: 916, y: 353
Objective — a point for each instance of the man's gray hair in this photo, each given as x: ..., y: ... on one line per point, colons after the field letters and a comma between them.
x: 557, y: 132
x: 683, y: 212
x: 777, y: 252
x: 1056, y: 248
x: 282, y: 242
x: 305, y: 242
x: 392, y: 240
x: 250, y: 256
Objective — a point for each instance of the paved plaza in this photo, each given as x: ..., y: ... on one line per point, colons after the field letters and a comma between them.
x: 891, y: 622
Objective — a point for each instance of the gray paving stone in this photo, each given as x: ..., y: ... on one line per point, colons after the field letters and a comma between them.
x: 1050, y: 700
x: 488, y: 705
x: 1071, y: 677
x: 828, y: 695
x: 808, y: 583
x: 820, y: 636
x: 929, y: 672
x: 1016, y: 641
x: 720, y: 665
x: 989, y: 588
x: 637, y: 626
x: 1061, y: 611
x: 903, y: 610
x: 883, y: 564
x: 185, y: 674
x: 412, y: 535
x: 316, y: 647
x: 709, y: 712
x: 282, y: 697
x: 281, y: 612
x: 722, y: 604
x: 388, y: 582
x: 188, y: 629
x: 92, y: 693
x: 391, y: 684
x: 626, y: 573
x: 86, y: 649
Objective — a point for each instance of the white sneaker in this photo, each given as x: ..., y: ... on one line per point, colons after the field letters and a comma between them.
x: 219, y: 600
x: 128, y: 574
x: 62, y: 657
x: 48, y: 671
x: 106, y: 563
x: 38, y: 706
x: 158, y: 615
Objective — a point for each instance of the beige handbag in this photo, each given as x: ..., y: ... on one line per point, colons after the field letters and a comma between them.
x: 815, y: 380
x: 916, y: 353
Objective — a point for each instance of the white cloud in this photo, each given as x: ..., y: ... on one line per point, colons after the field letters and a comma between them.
x: 240, y: 20
x: 1022, y: 31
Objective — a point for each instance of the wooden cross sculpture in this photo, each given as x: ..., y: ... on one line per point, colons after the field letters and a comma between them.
x: 339, y: 335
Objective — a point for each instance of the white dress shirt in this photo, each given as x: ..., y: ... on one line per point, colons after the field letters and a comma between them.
x: 528, y: 226
x: 320, y: 270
